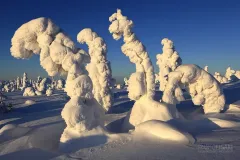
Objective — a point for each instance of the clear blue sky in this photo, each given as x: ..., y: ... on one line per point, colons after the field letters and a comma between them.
x: 204, y: 32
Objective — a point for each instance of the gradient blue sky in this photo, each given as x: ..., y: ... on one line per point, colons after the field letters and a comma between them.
x: 204, y: 32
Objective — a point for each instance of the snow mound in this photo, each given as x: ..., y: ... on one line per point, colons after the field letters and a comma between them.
x: 164, y: 131
x: 11, y: 131
x: 146, y: 109
x: 30, y: 102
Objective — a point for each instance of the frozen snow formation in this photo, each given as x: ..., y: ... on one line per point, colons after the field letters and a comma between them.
x: 99, y: 68
x: 229, y: 73
x: 220, y: 78
x: 141, y: 83
x: 202, y: 86
x: 29, y: 91
x: 168, y: 61
x: 206, y: 68
x: 133, y: 48
x: 59, y: 54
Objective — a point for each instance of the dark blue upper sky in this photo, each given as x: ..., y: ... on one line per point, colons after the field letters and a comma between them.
x: 204, y: 32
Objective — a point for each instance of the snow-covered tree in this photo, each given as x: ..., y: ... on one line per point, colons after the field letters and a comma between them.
x: 229, y: 73
x: 24, y: 81
x: 206, y: 68
x: 168, y: 61
x: 60, y: 84
x: 18, y: 83
x: 142, y: 83
x: 125, y: 81
x: 237, y: 74
x: 220, y: 78
x: 59, y: 54
x: 29, y: 91
x: 49, y: 91
x: 99, y: 68
x: 202, y: 86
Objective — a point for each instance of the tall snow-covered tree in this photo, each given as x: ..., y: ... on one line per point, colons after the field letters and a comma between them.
x: 59, y: 54
x: 99, y: 68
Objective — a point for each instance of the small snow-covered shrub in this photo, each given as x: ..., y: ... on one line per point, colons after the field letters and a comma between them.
x: 49, y: 92
x: 202, y: 86
x: 29, y: 91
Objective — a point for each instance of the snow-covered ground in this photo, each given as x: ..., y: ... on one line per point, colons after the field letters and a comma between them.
x: 32, y: 130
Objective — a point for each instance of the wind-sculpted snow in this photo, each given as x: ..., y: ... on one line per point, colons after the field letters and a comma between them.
x: 203, y: 88
x: 168, y: 61
x: 58, y: 54
x: 133, y: 48
x: 99, y: 68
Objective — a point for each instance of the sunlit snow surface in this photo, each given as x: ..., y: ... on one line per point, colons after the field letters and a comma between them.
x: 33, y: 130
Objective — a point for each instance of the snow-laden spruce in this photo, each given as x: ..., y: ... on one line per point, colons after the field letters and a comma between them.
x: 99, y: 68
x: 220, y: 78
x: 237, y: 74
x: 125, y: 81
x: 133, y: 48
x: 206, y: 68
x: 29, y: 91
x: 202, y: 86
x: 229, y: 73
x: 141, y: 83
x: 24, y: 81
x: 168, y: 61
x: 60, y: 84
x: 59, y: 54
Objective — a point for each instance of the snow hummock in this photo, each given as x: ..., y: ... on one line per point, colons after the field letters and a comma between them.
x: 164, y: 131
